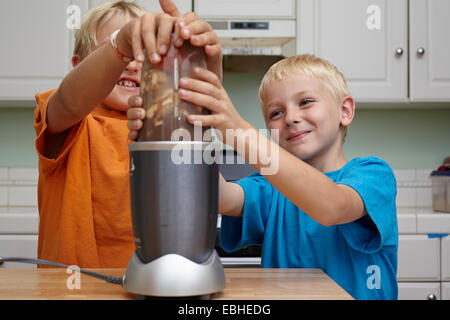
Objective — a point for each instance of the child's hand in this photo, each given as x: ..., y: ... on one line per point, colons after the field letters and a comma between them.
x: 207, y: 91
x: 135, y: 114
x: 201, y: 34
x: 151, y: 31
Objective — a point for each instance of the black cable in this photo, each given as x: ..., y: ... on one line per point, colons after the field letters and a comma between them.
x: 107, y: 278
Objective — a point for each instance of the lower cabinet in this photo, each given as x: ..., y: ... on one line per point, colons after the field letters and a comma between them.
x: 423, y: 267
x: 418, y: 258
x: 24, y: 246
x: 419, y: 290
x: 445, y: 290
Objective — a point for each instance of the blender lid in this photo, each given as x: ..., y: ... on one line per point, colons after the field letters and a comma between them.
x: 440, y: 173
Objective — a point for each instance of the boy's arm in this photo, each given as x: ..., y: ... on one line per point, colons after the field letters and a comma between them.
x: 309, y: 189
x: 80, y: 91
x: 94, y: 78
x: 231, y: 198
x: 84, y: 88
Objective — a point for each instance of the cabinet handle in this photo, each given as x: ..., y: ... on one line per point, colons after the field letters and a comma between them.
x: 420, y: 51
x: 431, y: 297
x: 399, y: 51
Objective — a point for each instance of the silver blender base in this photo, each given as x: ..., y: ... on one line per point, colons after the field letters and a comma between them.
x: 173, y: 275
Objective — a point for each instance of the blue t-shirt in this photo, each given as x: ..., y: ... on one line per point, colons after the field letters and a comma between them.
x: 360, y: 256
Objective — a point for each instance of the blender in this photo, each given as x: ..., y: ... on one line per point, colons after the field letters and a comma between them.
x: 174, y: 203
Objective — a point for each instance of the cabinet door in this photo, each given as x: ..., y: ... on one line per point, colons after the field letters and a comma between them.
x: 418, y: 258
x: 231, y: 9
x: 365, y: 39
x: 35, y: 52
x: 429, y: 50
x: 419, y: 290
x: 445, y: 258
x: 152, y: 5
x: 445, y: 288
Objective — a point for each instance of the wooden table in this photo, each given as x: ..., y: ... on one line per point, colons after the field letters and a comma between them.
x: 241, y: 283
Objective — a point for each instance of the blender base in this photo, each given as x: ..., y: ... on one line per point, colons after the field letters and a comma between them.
x: 173, y: 275
x: 203, y: 297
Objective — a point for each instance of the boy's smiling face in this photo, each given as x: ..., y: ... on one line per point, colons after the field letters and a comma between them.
x: 128, y: 83
x: 308, y: 118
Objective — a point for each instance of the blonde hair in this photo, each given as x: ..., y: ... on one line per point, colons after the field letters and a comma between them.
x: 86, y: 36
x: 312, y: 66
x: 308, y: 65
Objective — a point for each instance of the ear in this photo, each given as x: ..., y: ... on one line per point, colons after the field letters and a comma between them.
x: 76, y: 60
x: 347, y: 111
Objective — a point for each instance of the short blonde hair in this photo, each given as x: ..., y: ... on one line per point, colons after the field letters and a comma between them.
x: 86, y: 36
x: 308, y: 65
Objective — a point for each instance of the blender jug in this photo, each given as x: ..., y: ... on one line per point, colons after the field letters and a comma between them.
x: 173, y: 205
x: 165, y: 112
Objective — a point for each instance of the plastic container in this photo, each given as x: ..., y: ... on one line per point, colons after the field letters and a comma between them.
x: 441, y: 190
x: 165, y: 111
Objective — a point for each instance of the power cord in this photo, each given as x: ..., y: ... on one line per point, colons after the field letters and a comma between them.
x: 107, y: 278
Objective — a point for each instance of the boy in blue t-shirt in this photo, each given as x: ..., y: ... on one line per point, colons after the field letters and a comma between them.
x: 308, y: 206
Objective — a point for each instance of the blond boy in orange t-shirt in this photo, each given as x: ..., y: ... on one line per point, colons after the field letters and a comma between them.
x: 81, y: 128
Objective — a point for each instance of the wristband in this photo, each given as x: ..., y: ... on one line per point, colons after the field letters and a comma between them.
x: 116, y: 50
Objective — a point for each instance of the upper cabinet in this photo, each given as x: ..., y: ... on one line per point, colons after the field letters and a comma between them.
x: 232, y: 9
x: 429, y: 48
x: 35, y: 52
x: 365, y: 39
x: 368, y: 41
x: 40, y: 39
x: 388, y: 50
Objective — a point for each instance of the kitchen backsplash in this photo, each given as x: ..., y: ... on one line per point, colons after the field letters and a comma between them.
x: 413, y: 189
x: 18, y: 190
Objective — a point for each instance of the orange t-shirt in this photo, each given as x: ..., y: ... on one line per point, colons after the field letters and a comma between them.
x: 84, y: 194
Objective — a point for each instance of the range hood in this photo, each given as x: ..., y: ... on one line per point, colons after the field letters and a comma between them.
x: 251, y: 37
x: 253, y: 45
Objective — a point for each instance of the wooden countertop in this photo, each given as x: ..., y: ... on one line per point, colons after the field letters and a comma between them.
x: 241, y: 283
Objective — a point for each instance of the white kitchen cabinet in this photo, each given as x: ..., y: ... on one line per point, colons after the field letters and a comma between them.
x: 35, y: 55
x: 40, y: 40
x: 419, y: 291
x: 445, y: 258
x: 18, y: 237
x: 152, y: 5
x: 253, y: 9
x: 19, y: 223
x: 445, y: 290
x: 429, y: 47
x: 365, y: 39
x: 418, y: 258
x: 18, y: 246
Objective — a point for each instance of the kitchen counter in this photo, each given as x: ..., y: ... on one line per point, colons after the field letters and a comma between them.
x: 241, y: 283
